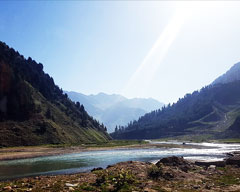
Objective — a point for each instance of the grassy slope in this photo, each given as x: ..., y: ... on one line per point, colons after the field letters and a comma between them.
x: 216, y: 123
x: 212, y: 126
x: 41, y: 130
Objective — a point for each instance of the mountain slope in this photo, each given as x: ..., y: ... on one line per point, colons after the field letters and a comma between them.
x: 233, y: 74
x: 214, y: 112
x: 86, y: 101
x: 33, y: 110
x: 114, y: 109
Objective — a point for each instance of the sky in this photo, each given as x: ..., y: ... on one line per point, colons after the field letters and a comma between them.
x: 157, y: 49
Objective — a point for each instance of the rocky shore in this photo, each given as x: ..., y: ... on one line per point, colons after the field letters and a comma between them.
x: 168, y: 174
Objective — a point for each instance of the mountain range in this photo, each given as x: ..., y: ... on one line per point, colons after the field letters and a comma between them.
x: 213, y: 112
x: 114, y: 110
x: 34, y: 111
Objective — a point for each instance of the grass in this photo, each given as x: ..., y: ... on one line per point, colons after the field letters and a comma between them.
x: 228, y: 180
x: 120, y: 180
x: 154, y: 172
x: 111, y: 143
x: 232, y: 140
x: 117, y: 143
x: 197, y: 138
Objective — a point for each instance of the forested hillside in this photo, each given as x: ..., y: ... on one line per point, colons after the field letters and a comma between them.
x: 214, y: 111
x: 33, y: 110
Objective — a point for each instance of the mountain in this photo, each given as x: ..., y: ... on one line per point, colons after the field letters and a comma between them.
x: 114, y: 109
x: 233, y: 74
x: 34, y: 111
x: 212, y: 112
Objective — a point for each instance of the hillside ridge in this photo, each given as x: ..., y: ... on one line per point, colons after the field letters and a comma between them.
x: 34, y: 111
x: 213, y: 112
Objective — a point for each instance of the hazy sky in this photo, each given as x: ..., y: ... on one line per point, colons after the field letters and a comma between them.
x: 155, y: 49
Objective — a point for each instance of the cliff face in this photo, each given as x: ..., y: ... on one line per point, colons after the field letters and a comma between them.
x: 33, y: 110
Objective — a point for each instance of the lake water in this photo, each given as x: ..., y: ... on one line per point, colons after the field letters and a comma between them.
x: 85, y: 161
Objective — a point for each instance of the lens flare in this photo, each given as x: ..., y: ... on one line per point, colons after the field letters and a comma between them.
x: 146, y: 71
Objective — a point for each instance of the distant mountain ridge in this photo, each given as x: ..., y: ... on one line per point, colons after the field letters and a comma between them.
x: 233, y: 74
x: 213, y: 112
x: 34, y: 111
x: 114, y: 109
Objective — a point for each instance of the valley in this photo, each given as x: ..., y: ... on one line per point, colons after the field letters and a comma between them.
x: 55, y: 160
x: 119, y: 96
x: 115, y: 110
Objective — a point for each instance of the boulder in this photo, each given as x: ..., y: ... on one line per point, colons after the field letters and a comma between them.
x: 212, y: 167
x: 235, y: 160
x: 97, y: 169
x: 209, y: 163
x: 173, y: 161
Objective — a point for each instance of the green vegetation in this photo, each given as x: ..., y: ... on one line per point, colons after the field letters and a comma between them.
x: 119, y: 181
x: 116, y: 143
x: 230, y: 140
x: 110, y: 143
x: 228, y: 177
x: 211, y: 113
x: 155, y: 172
x: 34, y: 111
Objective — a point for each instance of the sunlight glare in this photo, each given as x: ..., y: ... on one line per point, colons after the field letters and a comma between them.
x: 146, y: 71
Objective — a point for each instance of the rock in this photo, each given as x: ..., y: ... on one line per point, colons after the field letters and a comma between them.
x: 235, y: 160
x: 168, y: 176
x: 196, y: 187
x: 208, y: 187
x: 109, y: 166
x: 230, y: 154
x: 172, y: 161
x: 167, y: 189
x: 71, y: 185
x: 149, y: 190
x: 97, y: 169
x: 212, y: 167
x: 208, y: 163
x: 30, y: 186
x: 185, y: 168
x: 7, y: 188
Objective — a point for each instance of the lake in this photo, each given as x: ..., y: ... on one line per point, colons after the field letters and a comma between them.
x: 85, y: 161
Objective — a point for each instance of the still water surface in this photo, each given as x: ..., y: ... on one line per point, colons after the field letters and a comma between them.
x: 85, y: 161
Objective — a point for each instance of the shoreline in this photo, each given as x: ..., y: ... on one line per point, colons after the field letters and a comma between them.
x: 14, y: 153
x: 169, y: 174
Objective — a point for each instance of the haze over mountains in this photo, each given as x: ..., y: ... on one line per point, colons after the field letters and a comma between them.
x: 212, y: 112
x: 34, y: 111
x: 114, y: 109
